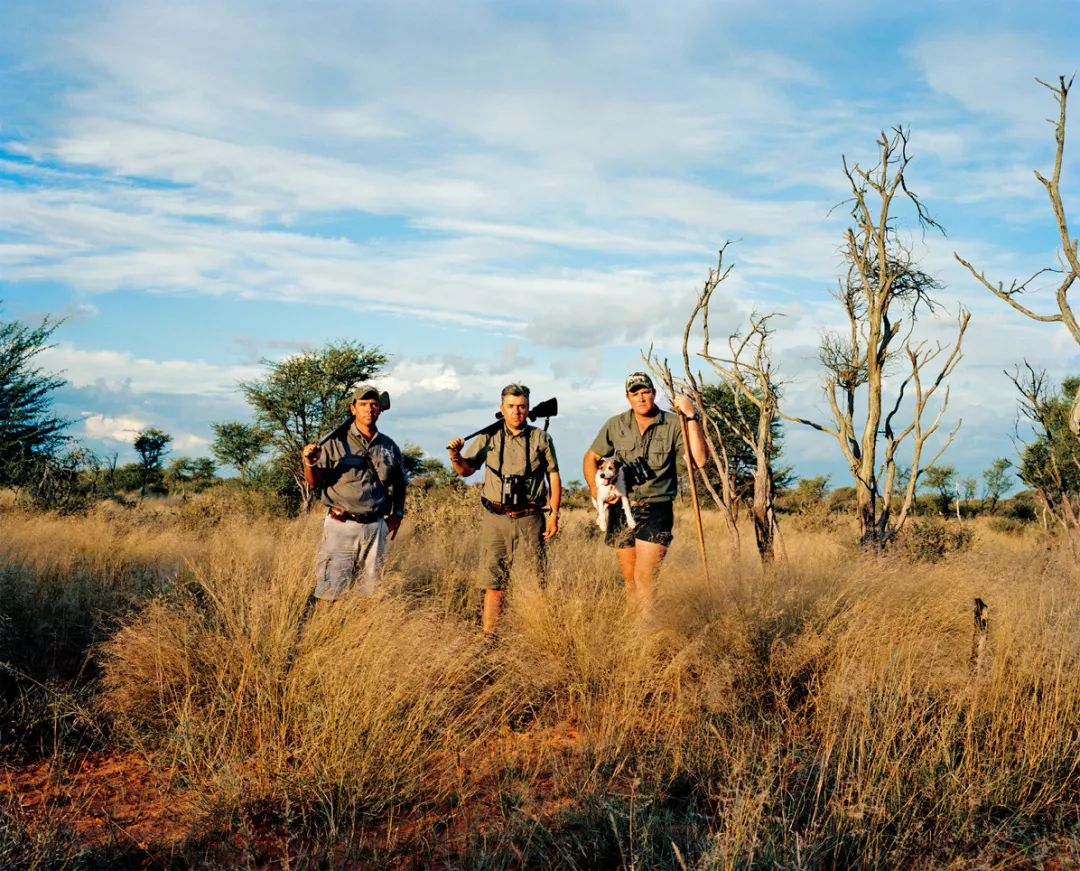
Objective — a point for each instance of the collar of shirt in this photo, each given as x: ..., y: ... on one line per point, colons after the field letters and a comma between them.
x: 631, y: 421
x: 357, y: 436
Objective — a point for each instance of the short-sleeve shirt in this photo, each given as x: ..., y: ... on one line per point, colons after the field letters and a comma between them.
x: 661, y: 446
x: 361, y: 476
x: 502, y: 446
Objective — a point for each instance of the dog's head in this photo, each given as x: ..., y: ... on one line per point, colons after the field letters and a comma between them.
x: 607, y: 470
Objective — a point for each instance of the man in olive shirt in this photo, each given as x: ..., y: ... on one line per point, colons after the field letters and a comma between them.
x: 361, y: 477
x: 648, y: 442
x: 521, y: 485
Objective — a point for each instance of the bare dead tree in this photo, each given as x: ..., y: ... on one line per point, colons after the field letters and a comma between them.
x: 1068, y: 260
x: 748, y: 372
x: 883, y: 288
x: 724, y: 492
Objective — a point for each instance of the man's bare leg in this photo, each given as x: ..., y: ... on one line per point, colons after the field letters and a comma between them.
x: 493, y: 601
x: 627, y: 560
x: 648, y: 556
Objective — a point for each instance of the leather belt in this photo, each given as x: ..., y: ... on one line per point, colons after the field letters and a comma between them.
x: 342, y: 515
x: 512, y: 513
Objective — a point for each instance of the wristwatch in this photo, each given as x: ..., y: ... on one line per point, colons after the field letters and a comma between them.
x: 694, y: 416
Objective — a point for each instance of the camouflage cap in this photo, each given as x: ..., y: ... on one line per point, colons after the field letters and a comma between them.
x: 638, y: 380
x: 365, y: 391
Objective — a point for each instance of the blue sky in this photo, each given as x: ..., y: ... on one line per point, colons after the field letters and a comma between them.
x: 503, y: 192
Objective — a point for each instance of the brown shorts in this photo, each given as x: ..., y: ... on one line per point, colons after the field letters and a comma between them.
x: 507, y: 539
x: 654, y: 520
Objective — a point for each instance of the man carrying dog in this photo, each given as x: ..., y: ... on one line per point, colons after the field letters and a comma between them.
x: 648, y: 443
x: 361, y: 476
x: 521, y: 495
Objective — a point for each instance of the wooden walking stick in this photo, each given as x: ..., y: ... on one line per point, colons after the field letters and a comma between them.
x: 693, y: 496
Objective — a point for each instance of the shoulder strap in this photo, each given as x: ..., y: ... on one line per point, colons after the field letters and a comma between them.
x: 502, y: 448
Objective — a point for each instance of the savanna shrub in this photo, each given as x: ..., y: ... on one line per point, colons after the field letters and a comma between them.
x: 930, y: 540
x: 1007, y: 525
x: 230, y: 500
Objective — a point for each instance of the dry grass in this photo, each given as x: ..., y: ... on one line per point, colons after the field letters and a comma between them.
x: 821, y: 716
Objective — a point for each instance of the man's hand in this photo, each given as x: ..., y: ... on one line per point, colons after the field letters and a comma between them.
x: 455, y: 446
x: 685, y: 405
x: 552, y: 528
x: 612, y: 498
x: 393, y: 524
x: 310, y: 454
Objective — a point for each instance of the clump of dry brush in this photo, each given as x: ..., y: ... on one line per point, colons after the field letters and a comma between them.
x: 823, y: 715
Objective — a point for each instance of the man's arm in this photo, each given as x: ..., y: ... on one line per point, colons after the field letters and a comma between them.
x: 309, y: 456
x: 401, y: 483
x: 457, y: 462
x: 555, y: 486
x: 698, y: 453
x: 589, y: 465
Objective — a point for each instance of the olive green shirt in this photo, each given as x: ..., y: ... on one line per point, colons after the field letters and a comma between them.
x: 661, y: 446
x: 361, y: 476
x: 485, y: 450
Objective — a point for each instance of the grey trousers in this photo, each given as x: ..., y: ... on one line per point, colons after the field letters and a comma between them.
x: 350, y: 554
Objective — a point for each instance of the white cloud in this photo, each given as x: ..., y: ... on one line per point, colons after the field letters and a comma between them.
x: 190, y: 442
x: 117, y: 370
x: 122, y: 430
x: 979, y: 69
x: 112, y: 429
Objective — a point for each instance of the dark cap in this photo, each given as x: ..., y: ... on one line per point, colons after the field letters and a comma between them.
x: 365, y: 391
x: 637, y: 380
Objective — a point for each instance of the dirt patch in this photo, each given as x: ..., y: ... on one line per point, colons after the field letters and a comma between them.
x: 106, y: 798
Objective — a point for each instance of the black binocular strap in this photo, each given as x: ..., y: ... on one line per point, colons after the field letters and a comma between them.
x: 502, y: 447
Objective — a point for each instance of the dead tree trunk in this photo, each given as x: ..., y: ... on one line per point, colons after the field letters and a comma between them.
x: 883, y: 286
x: 723, y: 492
x: 748, y: 373
x: 978, y: 635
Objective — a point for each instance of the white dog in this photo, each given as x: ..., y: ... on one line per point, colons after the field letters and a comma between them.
x: 610, y: 479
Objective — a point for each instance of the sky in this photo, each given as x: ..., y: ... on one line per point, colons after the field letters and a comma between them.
x: 518, y: 191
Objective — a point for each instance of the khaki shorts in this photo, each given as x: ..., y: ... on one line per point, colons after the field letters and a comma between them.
x: 506, y: 540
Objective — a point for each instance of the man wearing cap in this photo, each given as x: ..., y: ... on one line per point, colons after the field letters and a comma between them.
x: 648, y: 442
x: 361, y: 477
x: 521, y: 495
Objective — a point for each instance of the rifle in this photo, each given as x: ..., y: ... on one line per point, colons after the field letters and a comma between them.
x: 547, y: 409
x: 384, y: 405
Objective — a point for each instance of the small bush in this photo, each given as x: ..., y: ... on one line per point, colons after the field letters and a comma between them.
x: 930, y: 540
x: 1007, y: 525
x: 228, y: 501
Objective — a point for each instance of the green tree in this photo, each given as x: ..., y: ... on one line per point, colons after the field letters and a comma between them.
x: 304, y: 396
x: 968, y: 487
x: 725, y: 410
x: 996, y: 480
x: 943, y: 480
x: 185, y: 473
x: 239, y: 445
x: 809, y: 496
x: 1050, y: 462
x: 151, y: 444
x: 126, y: 478
x: 420, y: 465
x: 29, y: 432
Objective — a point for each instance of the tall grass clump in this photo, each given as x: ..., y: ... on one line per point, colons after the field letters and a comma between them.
x: 343, y: 716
